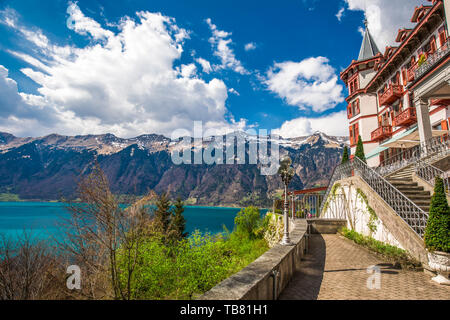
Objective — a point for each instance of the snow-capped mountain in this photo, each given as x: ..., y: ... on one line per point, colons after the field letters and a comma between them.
x: 49, y: 167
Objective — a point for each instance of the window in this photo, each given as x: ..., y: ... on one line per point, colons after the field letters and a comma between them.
x: 353, y: 109
x: 442, y: 36
x: 396, y: 79
x: 354, y: 133
x: 404, y: 76
x: 353, y: 85
x: 433, y: 44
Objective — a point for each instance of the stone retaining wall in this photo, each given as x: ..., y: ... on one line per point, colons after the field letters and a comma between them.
x: 326, y: 226
x: 256, y: 281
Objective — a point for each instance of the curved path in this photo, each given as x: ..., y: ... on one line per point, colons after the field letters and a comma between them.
x: 336, y: 268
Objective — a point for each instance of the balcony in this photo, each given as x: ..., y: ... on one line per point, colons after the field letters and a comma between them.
x: 381, y: 133
x: 406, y: 118
x: 411, y: 72
x: 392, y: 93
x: 432, y: 60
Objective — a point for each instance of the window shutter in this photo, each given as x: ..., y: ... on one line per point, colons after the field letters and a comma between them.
x: 444, y: 125
x: 357, y: 106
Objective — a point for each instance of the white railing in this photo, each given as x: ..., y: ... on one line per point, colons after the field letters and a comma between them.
x: 413, y: 215
x: 429, y: 150
x: 432, y: 60
x: 429, y: 173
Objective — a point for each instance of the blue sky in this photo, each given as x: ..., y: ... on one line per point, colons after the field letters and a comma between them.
x: 132, y: 67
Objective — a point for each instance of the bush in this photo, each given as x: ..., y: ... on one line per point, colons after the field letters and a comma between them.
x: 437, y: 231
x: 192, y: 266
x: 391, y: 253
x: 248, y: 222
x: 359, y: 153
x: 189, y: 267
x: 345, y: 155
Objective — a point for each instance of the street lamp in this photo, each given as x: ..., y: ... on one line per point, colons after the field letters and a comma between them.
x: 286, y: 173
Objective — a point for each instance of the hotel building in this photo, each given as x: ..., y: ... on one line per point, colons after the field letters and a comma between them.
x: 399, y: 98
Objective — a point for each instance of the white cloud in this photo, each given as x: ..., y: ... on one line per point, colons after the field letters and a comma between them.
x: 233, y: 91
x: 123, y: 82
x: 81, y: 24
x: 221, y: 43
x: 340, y: 13
x: 311, y: 83
x: 250, y: 46
x: 206, y: 66
x: 385, y: 17
x: 333, y: 124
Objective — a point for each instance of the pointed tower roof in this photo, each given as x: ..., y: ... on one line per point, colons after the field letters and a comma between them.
x: 369, y: 48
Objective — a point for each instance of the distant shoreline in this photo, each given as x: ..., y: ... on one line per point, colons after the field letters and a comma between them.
x: 228, y: 206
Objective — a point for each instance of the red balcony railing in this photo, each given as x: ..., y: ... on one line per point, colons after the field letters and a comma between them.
x: 406, y: 118
x: 392, y: 93
x: 439, y: 102
x: 411, y: 72
x: 381, y: 133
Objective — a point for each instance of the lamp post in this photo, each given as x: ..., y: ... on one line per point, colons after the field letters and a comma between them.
x: 286, y: 173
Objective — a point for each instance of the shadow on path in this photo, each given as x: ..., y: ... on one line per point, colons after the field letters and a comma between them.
x: 307, y: 279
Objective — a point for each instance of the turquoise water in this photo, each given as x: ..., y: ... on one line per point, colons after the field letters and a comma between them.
x: 41, y: 218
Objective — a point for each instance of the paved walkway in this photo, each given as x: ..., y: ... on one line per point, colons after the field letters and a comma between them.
x: 336, y: 269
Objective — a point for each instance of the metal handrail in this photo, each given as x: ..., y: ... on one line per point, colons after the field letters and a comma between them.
x: 431, y: 149
x: 432, y: 59
x: 399, y: 161
x: 428, y: 172
x: 413, y: 215
x: 339, y: 172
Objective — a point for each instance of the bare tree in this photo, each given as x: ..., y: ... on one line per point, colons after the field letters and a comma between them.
x: 28, y: 270
x: 104, y: 238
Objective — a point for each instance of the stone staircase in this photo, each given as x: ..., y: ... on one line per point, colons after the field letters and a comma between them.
x: 402, y: 180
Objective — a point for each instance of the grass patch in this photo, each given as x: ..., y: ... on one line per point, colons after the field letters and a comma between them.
x: 398, y: 257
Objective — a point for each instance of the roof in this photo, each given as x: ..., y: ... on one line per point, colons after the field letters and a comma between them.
x: 369, y: 48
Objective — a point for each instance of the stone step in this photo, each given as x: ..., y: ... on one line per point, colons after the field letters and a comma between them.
x: 408, y: 188
x: 403, y: 182
x: 415, y: 197
x: 417, y: 193
x: 420, y: 202
x: 401, y: 176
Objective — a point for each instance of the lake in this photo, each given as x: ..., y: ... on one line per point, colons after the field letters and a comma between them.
x: 42, y: 217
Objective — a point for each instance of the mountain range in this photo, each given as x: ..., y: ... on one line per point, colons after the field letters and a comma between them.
x: 48, y: 168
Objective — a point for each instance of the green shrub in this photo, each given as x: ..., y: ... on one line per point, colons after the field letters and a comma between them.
x: 359, y: 153
x: 391, y: 253
x: 345, y: 155
x: 186, y: 269
x: 248, y: 222
x: 437, y: 231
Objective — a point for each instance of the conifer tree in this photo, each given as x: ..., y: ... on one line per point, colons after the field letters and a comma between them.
x: 345, y: 155
x: 178, y: 223
x: 360, y: 150
x: 437, y: 232
x: 162, y: 213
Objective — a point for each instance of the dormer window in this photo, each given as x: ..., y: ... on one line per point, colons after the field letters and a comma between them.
x: 419, y: 13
